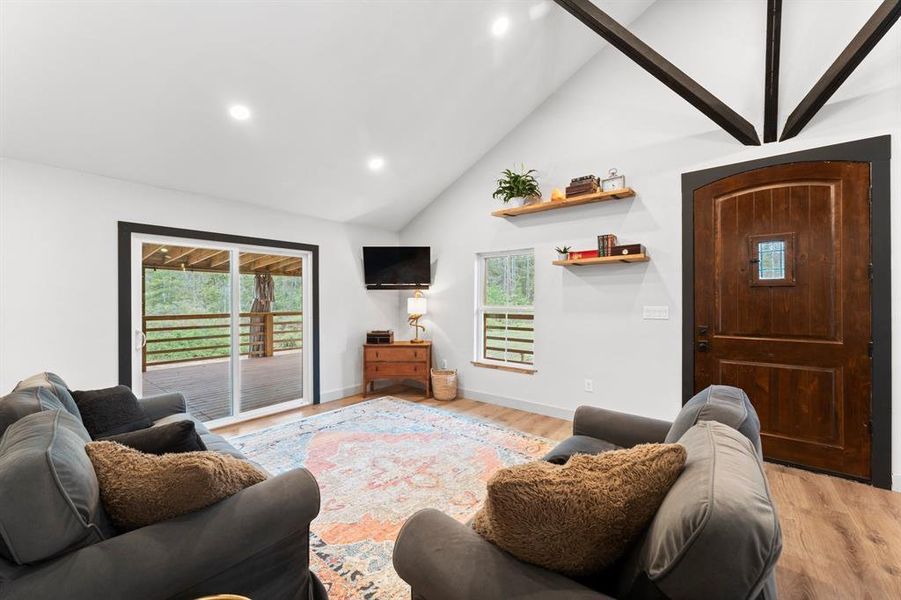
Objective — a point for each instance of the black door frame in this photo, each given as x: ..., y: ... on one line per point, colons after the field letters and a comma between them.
x: 124, y: 243
x: 878, y: 152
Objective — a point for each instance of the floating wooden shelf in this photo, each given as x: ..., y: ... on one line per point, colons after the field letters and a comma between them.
x: 574, y: 201
x: 601, y: 260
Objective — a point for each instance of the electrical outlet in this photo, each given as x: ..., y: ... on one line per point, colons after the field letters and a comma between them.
x: 443, y: 363
x: 589, y: 385
x: 655, y: 312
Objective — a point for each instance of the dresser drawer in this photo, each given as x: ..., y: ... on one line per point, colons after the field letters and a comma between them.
x: 394, y: 354
x: 396, y: 369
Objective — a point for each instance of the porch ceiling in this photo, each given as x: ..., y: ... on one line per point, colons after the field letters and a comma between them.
x: 178, y: 258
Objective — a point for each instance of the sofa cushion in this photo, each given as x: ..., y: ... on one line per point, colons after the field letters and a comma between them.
x: 24, y: 402
x: 110, y: 411
x: 577, y: 444
x: 141, y: 489
x: 577, y: 518
x: 48, y: 490
x: 198, y: 424
x: 723, y: 403
x: 166, y: 439
x: 55, y: 385
x: 719, y: 508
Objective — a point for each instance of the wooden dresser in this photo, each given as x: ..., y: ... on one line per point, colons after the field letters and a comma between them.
x: 399, y: 360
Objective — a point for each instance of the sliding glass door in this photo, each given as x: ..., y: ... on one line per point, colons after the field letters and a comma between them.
x: 272, y: 313
x: 221, y: 323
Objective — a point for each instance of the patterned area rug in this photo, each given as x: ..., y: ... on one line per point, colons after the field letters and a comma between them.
x: 377, y: 463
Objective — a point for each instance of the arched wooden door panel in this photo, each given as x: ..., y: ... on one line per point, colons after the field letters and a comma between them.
x: 782, y: 306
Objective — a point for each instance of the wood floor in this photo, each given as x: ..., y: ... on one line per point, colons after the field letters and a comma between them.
x: 841, y: 539
x: 207, y: 385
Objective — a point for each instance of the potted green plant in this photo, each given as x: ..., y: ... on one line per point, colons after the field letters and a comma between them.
x: 563, y: 252
x: 518, y: 188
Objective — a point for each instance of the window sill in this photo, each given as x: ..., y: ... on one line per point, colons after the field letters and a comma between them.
x: 503, y: 367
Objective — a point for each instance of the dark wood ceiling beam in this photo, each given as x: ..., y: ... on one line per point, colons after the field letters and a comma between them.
x: 669, y: 74
x: 866, y: 39
x: 771, y: 83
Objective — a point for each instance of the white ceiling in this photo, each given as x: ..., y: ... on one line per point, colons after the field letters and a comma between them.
x: 140, y: 91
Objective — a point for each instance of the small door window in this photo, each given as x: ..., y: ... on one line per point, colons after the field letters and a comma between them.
x: 772, y: 259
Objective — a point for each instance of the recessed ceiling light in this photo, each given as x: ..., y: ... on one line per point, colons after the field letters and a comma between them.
x: 239, y: 112
x: 376, y: 163
x: 500, y: 26
x: 164, y: 250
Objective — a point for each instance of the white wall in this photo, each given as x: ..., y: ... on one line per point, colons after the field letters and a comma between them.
x: 58, y: 281
x: 612, y: 114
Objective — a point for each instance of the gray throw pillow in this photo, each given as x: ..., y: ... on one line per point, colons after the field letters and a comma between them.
x: 111, y: 411
x: 48, y: 489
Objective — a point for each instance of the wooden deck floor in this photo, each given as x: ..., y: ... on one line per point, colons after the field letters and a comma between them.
x: 841, y: 539
x: 206, y: 386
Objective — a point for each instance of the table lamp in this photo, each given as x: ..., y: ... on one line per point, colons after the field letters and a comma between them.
x: 416, y: 307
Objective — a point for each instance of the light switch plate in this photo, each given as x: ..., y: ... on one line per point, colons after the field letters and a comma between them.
x: 655, y: 312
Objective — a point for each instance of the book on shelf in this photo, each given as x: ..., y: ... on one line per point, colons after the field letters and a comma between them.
x: 606, y: 243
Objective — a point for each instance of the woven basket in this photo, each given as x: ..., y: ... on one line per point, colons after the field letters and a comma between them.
x: 444, y: 384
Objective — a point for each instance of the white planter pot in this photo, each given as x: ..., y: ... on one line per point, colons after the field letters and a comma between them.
x: 517, y: 202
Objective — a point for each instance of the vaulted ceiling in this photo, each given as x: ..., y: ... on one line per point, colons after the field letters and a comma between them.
x: 141, y: 91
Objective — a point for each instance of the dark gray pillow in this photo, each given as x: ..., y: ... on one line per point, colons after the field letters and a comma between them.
x: 110, y: 411
x: 717, y: 529
x: 722, y: 403
x: 180, y: 436
x: 55, y: 385
x: 24, y: 402
x: 48, y: 489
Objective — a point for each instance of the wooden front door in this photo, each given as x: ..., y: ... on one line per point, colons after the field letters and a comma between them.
x: 782, y: 306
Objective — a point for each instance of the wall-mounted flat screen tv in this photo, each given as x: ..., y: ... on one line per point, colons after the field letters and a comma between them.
x: 397, y: 266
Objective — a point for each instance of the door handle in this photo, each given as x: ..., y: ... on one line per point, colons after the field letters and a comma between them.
x: 702, y: 330
x: 140, y: 339
x: 703, y: 346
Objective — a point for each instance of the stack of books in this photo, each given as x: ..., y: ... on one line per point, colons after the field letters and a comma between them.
x: 587, y: 184
x: 606, y: 243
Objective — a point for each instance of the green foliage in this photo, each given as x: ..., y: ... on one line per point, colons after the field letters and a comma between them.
x: 517, y: 185
x: 510, y: 280
x: 563, y: 249
x: 169, y: 292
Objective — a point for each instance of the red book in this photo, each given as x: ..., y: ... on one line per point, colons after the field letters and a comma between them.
x: 583, y: 254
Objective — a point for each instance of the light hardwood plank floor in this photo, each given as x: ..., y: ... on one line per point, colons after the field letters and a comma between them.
x: 841, y: 539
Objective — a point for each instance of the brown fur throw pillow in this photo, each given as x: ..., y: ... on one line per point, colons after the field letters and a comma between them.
x: 140, y: 489
x: 578, y: 518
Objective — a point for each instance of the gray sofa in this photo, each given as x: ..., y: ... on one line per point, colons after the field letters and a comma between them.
x: 716, y: 534
x: 56, y: 541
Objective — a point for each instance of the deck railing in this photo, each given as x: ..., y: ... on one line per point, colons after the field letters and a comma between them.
x: 187, y: 338
x: 509, y: 337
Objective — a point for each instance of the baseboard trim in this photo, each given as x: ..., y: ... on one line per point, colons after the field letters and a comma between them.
x: 526, y: 405
x: 896, y: 482
x: 351, y: 390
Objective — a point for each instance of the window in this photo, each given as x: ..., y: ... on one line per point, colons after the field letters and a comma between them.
x: 772, y: 259
x: 505, y: 313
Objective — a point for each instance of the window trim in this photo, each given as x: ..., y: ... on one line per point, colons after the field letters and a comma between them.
x: 754, y: 241
x: 480, y: 310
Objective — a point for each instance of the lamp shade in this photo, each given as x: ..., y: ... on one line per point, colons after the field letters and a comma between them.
x: 416, y: 306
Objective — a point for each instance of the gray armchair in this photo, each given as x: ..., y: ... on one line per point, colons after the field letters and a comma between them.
x: 255, y: 543
x: 706, y: 541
